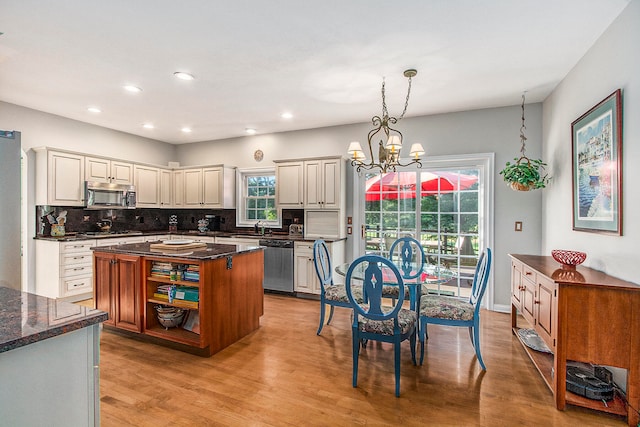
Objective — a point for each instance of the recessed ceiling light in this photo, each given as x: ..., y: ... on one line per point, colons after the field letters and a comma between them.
x: 286, y: 115
x: 148, y: 126
x: 250, y: 131
x: 132, y: 88
x: 183, y: 76
x: 94, y: 110
x: 186, y: 130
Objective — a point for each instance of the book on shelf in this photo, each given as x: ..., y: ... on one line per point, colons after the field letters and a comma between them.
x: 192, y: 321
x: 176, y: 302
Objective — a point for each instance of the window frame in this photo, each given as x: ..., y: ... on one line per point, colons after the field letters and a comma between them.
x: 242, y: 176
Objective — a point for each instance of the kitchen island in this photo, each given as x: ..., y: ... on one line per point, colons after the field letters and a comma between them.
x: 49, y: 361
x: 218, y: 288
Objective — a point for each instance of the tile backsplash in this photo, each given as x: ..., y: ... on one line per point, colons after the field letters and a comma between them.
x: 83, y: 220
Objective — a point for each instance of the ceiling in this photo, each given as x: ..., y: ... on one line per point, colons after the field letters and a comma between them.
x: 323, y: 61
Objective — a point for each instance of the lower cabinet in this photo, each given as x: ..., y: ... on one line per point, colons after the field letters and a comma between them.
x: 305, y: 279
x: 63, y: 269
x: 117, y: 289
x: 583, y: 316
x: 222, y: 298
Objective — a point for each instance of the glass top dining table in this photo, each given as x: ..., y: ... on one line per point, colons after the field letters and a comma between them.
x: 431, y: 275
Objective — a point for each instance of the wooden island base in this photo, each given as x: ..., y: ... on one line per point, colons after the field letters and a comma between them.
x: 225, y: 279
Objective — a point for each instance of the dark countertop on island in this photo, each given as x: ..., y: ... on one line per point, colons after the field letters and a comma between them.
x: 27, y: 318
x: 210, y: 251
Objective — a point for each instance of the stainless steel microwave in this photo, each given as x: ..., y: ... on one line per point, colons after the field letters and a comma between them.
x: 101, y: 195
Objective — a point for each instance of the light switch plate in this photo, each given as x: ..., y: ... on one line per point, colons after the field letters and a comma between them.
x: 518, y: 225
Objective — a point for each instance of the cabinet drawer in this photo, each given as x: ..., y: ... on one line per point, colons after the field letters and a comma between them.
x: 528, y: 273
x: 75, y: 259
x: 77, y: 270
x: 77, y: 285
x: 72, y: 247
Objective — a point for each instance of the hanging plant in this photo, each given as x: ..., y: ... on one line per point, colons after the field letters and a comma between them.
x: 525, y: 174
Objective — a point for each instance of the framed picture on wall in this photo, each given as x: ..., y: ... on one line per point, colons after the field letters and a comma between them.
x: 596, y: 139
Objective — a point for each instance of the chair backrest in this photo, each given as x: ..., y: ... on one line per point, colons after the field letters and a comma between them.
x: 322, y: 263
x: 374, y: 271
x: 480, y: 278
x: 411, y: 256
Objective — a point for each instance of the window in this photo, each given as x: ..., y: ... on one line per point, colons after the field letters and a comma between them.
x: 445, y: 205
x: 257, y: 198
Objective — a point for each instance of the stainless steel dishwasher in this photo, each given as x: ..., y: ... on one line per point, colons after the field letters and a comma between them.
x: 278, y: 265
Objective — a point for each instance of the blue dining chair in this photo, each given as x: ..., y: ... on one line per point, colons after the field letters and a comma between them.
x: 330, y: 294
x: 407, y: 253
x: 452, y: 311
x: 373, y: 321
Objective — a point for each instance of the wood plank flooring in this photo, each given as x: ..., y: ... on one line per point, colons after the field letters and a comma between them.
x: 285, y: 375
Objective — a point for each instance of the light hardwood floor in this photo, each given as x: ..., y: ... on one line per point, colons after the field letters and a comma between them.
x: 285, y: 375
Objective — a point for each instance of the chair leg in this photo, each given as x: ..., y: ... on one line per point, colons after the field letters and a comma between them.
x: 412, y: 342
x: 356, y: 354
x: 476, y: 339
x: 396, y: 351
x: 422, y: 331
x: 471, y: 337
x: 330, y: 315
x: 322, y: 307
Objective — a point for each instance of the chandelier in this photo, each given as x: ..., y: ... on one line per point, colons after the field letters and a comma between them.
x: 389, y: 152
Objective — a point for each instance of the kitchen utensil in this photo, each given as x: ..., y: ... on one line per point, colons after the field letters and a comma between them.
x: 62, y: 218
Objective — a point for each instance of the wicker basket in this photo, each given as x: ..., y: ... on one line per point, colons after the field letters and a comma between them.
x: 521, y: 187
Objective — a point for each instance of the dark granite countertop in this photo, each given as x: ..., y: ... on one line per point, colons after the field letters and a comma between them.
x: 210, y: 251
x: 70, y: 236
x: 26, y: 318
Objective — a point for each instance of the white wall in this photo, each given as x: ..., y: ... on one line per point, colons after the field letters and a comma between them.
x: 480, y: 131
x: 613, y: 62
x: 41, y: 129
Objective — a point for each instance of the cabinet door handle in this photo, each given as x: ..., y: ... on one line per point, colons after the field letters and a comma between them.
x: 527, y: 273
x: 78, y: 268
x: 536, y: 302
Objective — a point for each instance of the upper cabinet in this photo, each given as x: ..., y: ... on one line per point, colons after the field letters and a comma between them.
x: 209, y: 187
x: 166, y: 188
x: 147, y: 182
x: 177, y: 188
x: 59, y: 178
x: 289, y: 182
x: 322, y: 183
x: 109, y: 171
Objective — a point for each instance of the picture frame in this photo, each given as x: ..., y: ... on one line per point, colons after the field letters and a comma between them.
x: 596, y: 153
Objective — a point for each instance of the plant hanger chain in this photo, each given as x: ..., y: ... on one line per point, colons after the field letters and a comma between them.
x: 522, y: 129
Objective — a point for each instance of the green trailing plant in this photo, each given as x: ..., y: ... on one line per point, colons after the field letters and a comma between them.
x: 525, y: 174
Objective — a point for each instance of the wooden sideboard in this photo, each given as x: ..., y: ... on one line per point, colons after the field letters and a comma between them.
x: 583, y: 315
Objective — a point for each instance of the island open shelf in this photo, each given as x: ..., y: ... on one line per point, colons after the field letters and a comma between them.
x: 222, y: 300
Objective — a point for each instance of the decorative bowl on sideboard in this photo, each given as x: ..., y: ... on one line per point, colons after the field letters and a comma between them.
x: 568, y: 259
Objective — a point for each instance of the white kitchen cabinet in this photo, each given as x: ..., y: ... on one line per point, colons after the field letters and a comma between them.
x: 166, y: 188
x: 147, y: 182
x: 109, y: 171
x: 177, y: 188
x: 158, y: 237
x: 112, y: 241
x: 289, y: 184
x: 59, y: 178
x: 209, y: 187
x: 323, y: 182
x: 64, y: 269
x: 305, y: 279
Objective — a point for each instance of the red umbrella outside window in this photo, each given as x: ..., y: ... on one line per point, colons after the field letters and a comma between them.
x: 402, y: 185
